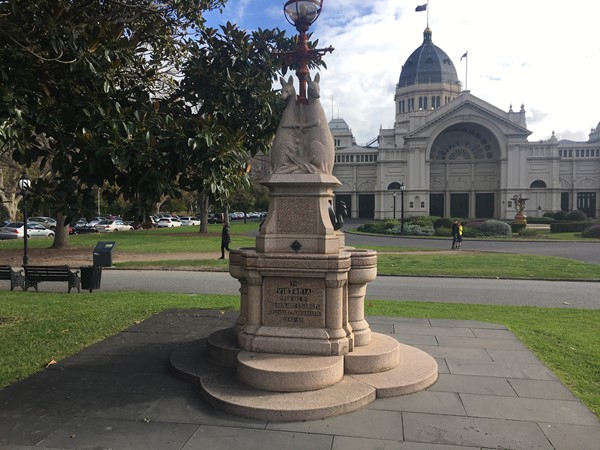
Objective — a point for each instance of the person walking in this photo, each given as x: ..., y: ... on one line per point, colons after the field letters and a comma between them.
x: 460, y: 235
x: 225, y: 237
x: 454, y: 234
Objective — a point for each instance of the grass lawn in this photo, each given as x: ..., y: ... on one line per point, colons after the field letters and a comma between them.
x: 38, y: 328
x: 487, y: 265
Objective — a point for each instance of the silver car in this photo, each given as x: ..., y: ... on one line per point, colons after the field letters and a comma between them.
x: 110, y: 226
x: 47, y: 222
x: 15, y: 230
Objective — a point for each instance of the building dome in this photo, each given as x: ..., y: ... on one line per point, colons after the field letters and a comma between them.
x: 338, y: 124
x: 428, y: 64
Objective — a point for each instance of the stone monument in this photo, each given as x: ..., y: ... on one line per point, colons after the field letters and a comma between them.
x: 301, y: 348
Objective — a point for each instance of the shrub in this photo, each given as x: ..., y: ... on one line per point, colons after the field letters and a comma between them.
x: 549, y: 214
x: 417, y: 230
x: 560, y: 215
x: 423, y: 221
x: 475, y: 224
x: 543, y: 220
x: 390, y: 223
x: 566, y: 227
x: 374, y: 227
x: 577, y: 216
x: 443, y: 222
x: 592, y: 232
x: 525, y: 232
x: 518, y: 227
x: 495, y: 228
x: 443, y: 231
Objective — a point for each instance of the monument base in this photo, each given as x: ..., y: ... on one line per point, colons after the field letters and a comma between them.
x: 259, y: 387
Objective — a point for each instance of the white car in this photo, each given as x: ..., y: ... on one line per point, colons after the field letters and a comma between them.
x: 168, y: 222
x: 187, y: 221
x: 15, y: 230
x: 47, y: 222
x: 110, y: 226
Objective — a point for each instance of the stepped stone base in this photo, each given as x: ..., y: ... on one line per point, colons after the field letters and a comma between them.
x: 285, y: 388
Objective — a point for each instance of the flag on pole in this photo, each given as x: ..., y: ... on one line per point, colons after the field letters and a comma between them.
x: 466, y: 55
x: 421, y: 8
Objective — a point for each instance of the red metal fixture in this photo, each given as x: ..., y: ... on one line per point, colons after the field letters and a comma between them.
x: 301, y: 14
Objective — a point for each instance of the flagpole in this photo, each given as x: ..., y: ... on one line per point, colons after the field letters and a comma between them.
x: 467, y: 73
x: 466, y: 56
x: 427, y: 13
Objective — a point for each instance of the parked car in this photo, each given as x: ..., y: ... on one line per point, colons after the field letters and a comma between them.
x: 168, y: 222
x: 15, y: 230
x: 110, y: 226
x: 96, y: 220
x: 188, y: 221
x: 47, y: 222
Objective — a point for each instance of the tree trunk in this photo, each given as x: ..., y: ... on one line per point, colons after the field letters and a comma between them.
x: 203, y: 213
x: 61, y: 232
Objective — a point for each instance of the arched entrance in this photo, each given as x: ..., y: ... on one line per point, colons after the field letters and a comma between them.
x: 464, y: 165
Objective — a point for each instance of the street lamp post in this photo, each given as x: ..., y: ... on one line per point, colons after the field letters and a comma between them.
x: 301, y: 14
x: 24, y: 186
x: 402, y: 188
x: 394, y: 205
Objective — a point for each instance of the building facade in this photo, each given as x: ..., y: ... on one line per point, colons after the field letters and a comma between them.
x: 459, y: 156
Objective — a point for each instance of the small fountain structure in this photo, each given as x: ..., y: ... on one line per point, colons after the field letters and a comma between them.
x: 301, y: 348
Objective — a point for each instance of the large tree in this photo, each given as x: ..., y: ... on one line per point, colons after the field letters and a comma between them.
x: 90, y: 76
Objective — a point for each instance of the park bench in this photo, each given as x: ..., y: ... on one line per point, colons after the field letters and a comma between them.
x: 14, y: 276
x: 37, y: 274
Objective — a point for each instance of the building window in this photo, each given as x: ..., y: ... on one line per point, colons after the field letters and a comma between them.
x: 424, y: 102
x: 537, y: 184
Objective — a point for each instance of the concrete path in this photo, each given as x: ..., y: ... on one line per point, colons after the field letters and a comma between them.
x: 492, y: 393
x: 552, y: 294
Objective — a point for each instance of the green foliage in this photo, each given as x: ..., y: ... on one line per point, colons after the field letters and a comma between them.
x: 159, y: 105
x: 413, y: 229
x: 560, y: 215
x: 445, y: 222
x: 591, y: 232
x: 527, y: 232
x: 388, y: 223
x: 540, y: 220
x: 422, y: 221
x: 495, y: 228
x: 373, y: 227
x: 443, y: 231
x: 518, y: 227
x: 577, y: 216
x: 562, y: 227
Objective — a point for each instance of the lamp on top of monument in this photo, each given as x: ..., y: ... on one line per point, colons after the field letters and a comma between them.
x: 301, y: 14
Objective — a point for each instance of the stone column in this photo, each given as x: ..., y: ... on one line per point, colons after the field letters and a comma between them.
x: 363, y: 269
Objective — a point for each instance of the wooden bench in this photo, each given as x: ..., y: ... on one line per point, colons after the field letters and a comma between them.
x: 14, y: 276
x: 37, y: 274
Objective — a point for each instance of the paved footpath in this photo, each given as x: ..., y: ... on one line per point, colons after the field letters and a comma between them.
x: 492, y: 393
x: 552, y: 294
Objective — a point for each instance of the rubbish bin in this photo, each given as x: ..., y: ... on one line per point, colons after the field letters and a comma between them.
x: 103, y: 253
x: 90, y: 277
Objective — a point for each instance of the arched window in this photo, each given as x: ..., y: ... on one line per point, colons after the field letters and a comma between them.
x: 395, y: 186
x: 537, y: 184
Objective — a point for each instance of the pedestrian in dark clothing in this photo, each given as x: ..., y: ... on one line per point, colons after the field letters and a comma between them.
x: 225, y: 238
x: 454, y: 234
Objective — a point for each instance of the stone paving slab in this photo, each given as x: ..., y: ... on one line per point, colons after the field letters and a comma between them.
x: 491, y: 393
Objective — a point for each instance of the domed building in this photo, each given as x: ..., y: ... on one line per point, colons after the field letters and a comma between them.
x: 456, y: 155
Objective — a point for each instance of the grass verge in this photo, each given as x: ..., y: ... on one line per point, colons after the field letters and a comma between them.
x: 39, y: 328
x: 487, y: 265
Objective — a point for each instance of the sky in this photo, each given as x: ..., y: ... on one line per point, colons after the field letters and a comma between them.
x: 537, y: 53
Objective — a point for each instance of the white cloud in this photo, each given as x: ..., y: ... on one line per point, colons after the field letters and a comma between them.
x: 545, y: 55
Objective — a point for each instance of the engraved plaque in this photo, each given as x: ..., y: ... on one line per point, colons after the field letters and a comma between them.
x: 293, y: 302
